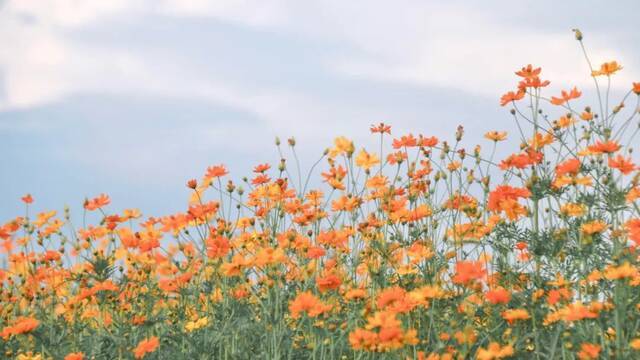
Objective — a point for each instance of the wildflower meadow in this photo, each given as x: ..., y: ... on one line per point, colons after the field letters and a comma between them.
x: 423, y: 248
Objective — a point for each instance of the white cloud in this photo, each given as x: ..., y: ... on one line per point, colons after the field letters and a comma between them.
x: 258, y: 13
x: 429, y: 44
x: 453, y: 46
x: 413, y: 42
x: 67, y: 13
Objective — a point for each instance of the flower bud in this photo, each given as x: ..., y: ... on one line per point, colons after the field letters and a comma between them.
x: 230, y: 186
x: 578, y: 34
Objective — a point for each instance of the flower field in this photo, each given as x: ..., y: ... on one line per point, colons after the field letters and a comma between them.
x: 423, y: 248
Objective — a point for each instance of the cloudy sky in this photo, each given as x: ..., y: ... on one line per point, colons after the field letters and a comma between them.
x: 132, y: 98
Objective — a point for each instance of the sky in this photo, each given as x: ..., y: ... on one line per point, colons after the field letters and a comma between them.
x: 134, y: 97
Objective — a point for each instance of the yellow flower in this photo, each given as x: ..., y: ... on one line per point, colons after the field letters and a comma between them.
x: 512, y: 315
x: 496, y: 135
x: 29, y: 356
x: 621, y: 272
x: 538, y: 141
x: 594, y: 227
x: 197, y: 324
x: 494, y: 351
x: 342, y: 146
x: 366, y: 160
x: 608, y: 68
x: 454, y: 165
x: 572, y: 209
x: 565, y: 121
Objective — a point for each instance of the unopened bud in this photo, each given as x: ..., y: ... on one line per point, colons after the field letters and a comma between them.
x: 230, y: 186
x: 578, y: 34
x: 459, y: 132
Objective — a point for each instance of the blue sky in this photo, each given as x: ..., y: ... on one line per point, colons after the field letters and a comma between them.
x: 133, y: 98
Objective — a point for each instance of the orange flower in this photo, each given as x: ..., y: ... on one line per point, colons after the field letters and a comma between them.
x: 586, y: 116
x: 571, y: 166
x: 454, y: 165
x: 467, y: 336
x: 461, y: 202
x: 405, y: 141
x: 511, y: 96
x: 396, y: 157
x: 522, y: 160
x: 128, y: 214
x: 505, y: 192
x: 427, y: 141
x: 600, y: 147
x: 145, y: 346
x: 633, y: 227
x: 27, y: 199
x: 494, y: 351
x: 389, y: 335
x: 353, y: 294
x: 216, y: 171
x: 259, y: 169
x: 390, y: 296
x: 381, y: 128
x: 97, y: 203
x: 468, y: 271
x: 315, y: 252
x: 74, y: 356
x: 308, y: 303
x: 498, y: 296
x: 624, y: 271
x: 496, y: 135
x: 593, y: 227
x: 577, y: 311
x: 538, y: 141
x: 334, y: 176
x: 528, y: 71
x: 608, y: 69
x: 260, y: 179
x: 217, y: 246
x: 534, y: 82
x: 624, y: 165
x: 566, y: 96
x: 505, y: 198
x: 555, y: 295
x: 235, y: 267
x: 589, y: 351
x: 361, y: 339
x: 636, y: 88
x: 22, y: 325
x: 633, y: 194
x: 564, y: 122
x: 513, y: 315
x: 328, y: 282
x: 192, y: 184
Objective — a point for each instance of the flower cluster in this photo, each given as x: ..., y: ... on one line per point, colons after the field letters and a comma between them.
x: 423, y: 249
